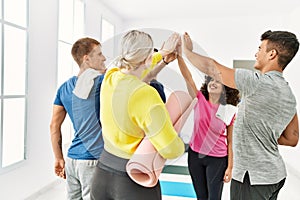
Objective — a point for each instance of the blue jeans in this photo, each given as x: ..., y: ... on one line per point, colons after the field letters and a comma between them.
x: 79, y: 175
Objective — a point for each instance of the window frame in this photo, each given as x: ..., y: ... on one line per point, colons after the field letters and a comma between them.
x: 24, y: 96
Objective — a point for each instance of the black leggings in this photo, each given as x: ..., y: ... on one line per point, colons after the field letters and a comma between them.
x: 108, y: 185
x: 207, y: 174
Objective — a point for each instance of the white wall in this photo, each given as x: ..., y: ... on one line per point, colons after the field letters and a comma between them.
x: 291, y: 155
x: 232, y: 38
x: 37, y: 172
x: 95, y: 10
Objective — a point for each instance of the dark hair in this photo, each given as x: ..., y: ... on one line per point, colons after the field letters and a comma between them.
x: 231, y: 96
x: 83, y: 47
x: 285, y: 43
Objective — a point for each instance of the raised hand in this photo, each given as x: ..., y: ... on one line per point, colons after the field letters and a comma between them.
x: 187, y: 42
x: 170, y: 45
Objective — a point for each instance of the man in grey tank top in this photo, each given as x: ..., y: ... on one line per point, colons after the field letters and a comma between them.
x: 267, y: 115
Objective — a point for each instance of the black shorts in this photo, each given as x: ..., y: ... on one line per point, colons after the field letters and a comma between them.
x: 246, y: 191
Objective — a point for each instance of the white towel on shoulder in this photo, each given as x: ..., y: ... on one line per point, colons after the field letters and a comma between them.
x: 226, y: 113
x: 85, y: 83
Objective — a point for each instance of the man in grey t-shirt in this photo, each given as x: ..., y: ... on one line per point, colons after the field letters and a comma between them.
x: 267, y: 115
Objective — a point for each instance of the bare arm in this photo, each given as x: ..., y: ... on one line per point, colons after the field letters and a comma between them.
x: 228, y: 172
x: 290, y: 135
x: 208, y: 65
x: 58, y: 116
x: 153, y: 73
x: 191, y: 86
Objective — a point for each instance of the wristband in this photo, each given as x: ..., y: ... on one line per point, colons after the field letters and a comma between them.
x: 165, y: 61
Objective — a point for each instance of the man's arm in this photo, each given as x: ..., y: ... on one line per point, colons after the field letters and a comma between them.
x: 58, y: 116
x: 290, y: 135
x: 208, y: 65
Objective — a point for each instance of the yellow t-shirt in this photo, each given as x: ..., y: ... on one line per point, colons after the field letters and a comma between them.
x: 131, y: 110
x: 156, y: 58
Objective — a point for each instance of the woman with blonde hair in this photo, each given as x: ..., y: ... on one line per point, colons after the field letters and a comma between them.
x: 130, y: 111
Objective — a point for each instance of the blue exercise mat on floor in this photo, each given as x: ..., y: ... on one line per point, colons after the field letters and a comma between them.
x: 177, y: 189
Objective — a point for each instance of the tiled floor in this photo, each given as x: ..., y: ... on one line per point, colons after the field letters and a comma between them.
x: 290, y: 191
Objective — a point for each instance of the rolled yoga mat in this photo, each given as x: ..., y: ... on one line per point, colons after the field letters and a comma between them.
x: 146, y: 164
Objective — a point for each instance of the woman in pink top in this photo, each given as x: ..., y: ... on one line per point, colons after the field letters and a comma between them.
x: 210, y: 153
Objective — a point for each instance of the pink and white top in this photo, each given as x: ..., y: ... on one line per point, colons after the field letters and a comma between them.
x: 209, y: 135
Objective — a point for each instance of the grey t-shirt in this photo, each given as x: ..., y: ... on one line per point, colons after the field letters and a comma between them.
x: 267, y: 106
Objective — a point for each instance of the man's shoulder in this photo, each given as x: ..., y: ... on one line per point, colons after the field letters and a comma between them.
x: 70, y: 81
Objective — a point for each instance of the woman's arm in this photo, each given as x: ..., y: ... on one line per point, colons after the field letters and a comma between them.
x: 228, y: 172
x: 191, y: 86
x: 153, y: 73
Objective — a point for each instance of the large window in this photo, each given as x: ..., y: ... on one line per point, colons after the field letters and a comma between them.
x: 108, y: 40
x: 13, y: 81
x: 71, y: 27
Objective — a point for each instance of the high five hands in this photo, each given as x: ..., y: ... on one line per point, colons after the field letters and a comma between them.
x: 174, y: 46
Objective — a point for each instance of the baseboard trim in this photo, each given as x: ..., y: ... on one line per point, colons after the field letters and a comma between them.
x: 44, y: 189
